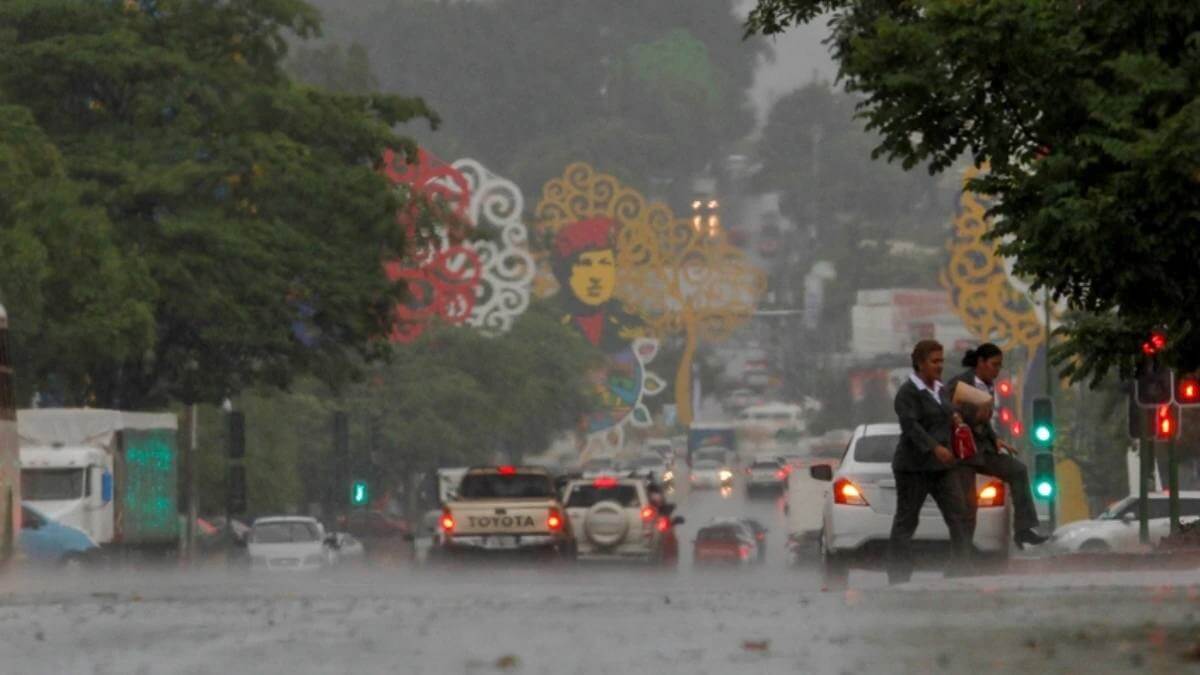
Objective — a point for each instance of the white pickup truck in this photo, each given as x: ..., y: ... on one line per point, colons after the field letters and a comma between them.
x: 505, y: 509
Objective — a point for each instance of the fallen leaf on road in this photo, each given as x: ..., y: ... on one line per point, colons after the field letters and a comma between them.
x: 507, y: 662
x: 756, y: 645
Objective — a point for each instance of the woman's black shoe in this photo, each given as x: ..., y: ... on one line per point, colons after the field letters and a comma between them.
x: 1028, y: 537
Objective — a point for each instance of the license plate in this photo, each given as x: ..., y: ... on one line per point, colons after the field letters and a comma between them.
x: 500, y: 542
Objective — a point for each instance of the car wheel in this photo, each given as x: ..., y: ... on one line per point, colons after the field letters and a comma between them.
x: 835, y: 569
x: 1094, y: 546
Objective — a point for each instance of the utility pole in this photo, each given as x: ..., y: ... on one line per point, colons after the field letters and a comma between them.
x: 193, y: 498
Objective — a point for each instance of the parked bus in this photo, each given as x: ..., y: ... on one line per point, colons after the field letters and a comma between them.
x: 10, y: 465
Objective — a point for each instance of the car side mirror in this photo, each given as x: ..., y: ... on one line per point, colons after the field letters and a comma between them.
x: 678, y: 520
x: 822, y: 472
x: 1128, y: 518
x: 332, y: 542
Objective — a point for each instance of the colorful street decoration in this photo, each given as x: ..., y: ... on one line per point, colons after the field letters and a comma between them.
x: 579, y: 220
x: 662, y: 277
x: 457, y: 278
x: 990, y: 304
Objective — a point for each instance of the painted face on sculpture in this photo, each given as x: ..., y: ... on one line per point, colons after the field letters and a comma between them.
x: 594, y: 276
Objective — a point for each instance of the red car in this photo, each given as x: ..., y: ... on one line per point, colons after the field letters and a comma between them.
x: 727, y: 542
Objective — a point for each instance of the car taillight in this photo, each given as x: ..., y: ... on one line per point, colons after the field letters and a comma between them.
x: 781, y: 474
x: 604, y: 483
x: 447, y: 522
x: 846, y: 492
x: 744, y: 552
x: 554, y: 521
x: 664, y: 524
x: 647, y: 513
x: 991, y: 494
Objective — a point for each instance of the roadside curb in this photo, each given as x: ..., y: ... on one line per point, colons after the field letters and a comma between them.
x: 1107, y: 562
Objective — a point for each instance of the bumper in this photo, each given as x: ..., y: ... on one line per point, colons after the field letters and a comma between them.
x: 284, y: 567
x: 486, y: 543
x: 752, y: 484
x: 851, y: 528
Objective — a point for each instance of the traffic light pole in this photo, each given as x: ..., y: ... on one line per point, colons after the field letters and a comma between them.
x: 1146, y: 455
x: 1173, y: 485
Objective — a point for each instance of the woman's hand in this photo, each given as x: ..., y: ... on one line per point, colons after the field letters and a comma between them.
x: 943, y: 455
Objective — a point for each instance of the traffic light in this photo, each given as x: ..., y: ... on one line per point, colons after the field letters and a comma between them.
x: 1004, y: 388
x: 1187, y: 390
x: 1043, y: 475
x: 1154, y: 385
x: 235, y: 496
x: 1042, y: 431
x: 360, y: 493
x: 237, y: 435
x: 1166, y: 422
x: 1156, y: 343
x: 1006, y: 416
x: 1017, y: 429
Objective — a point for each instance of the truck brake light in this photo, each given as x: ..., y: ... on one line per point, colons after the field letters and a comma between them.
x: 447, y: 521
x: 647, y: 513
x: 554, y: 521
x: 991, y: 494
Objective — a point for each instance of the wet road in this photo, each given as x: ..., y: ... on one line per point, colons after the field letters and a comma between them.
x: 590, y: 619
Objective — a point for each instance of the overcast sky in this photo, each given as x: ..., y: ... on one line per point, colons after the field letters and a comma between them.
x: 799, y: 55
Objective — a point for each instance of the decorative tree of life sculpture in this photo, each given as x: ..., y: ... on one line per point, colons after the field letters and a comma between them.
x: 580, y: 220
x: 990, y: 305
x: 484, y: 283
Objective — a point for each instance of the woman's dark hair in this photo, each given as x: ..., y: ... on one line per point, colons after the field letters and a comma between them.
x: 983, y: 352
x: 922, y: 351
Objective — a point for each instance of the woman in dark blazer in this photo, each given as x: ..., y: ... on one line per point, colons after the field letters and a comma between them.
x: 983, y: 367
x: 924, y: 465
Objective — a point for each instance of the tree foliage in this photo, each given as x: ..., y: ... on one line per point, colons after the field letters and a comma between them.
x: 1087, y: 114
x: 649, y: 91
x: 234, y: 206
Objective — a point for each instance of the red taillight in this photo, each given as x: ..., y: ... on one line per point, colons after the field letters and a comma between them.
x: 605, y: 482
x: 554, y: 521
x: 991, y: 494
x: 781, y: 474
x: 744, y: 551
x: 447, y: 522
x: 507, y: 470
x: 846, y: 492
x: 664, y: 524
x: 647, y: 513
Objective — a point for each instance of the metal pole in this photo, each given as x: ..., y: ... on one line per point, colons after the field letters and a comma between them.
x: 1052, y: 504
x: 1146, y: 452
x: 190, y: 528
x: 1173, y: 485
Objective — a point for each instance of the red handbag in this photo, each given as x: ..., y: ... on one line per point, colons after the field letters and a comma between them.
x: 964, y: 442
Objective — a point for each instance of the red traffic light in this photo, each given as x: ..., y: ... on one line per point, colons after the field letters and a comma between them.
x: 1005, y: 415
x: 1187, y: 391
x: 1156, y: 343
x: 1166, y: 423
x: 1004, y: 388
x: 1017, y: 428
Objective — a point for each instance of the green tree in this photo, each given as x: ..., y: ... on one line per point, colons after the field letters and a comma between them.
x: 649, y: 91
x: 1088, y: 115
x: 76, y: 300
x: 250, y: 204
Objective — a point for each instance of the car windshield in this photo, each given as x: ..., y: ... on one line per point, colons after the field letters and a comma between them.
x: 875, y: 449
x: 764, y: 464
x: 506, y: 486
x: 586, y: 496
x: 646, y: 462
x: 50, y: 484
x: 716, y: 454
x: 706, y: 464
x: 598, y: 464
x: 284, y: 532
x: 1114, y: 512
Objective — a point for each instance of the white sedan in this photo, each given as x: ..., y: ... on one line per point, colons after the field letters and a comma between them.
x: 707, y: 473
x: 1117, y: 528
x: 289, y: 544
x: 860, y: 501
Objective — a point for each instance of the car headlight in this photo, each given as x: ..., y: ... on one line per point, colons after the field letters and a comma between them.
x: 725, y: 474
x: 668, y: 476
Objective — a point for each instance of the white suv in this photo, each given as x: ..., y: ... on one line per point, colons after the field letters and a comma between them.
x: 860, y: 501
x: 613, y: 519
x: 1117, y: 528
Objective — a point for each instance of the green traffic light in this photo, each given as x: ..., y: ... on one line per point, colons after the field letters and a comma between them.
x: 1042, y: 434
x: 1045, y: 489
x: 358, y: 493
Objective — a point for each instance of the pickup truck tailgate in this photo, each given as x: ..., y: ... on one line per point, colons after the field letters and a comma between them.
x: 510, y: 518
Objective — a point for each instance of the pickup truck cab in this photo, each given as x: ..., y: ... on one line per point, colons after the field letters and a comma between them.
x: 505, y: 509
